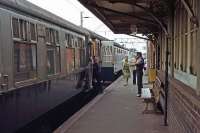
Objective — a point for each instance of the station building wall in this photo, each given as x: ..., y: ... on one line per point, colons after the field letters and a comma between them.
x: 184, y: 68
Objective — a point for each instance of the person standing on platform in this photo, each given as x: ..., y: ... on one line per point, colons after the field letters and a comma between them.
x: 132, y: 64
x: 96, y: 75
x: 126, y: 70
x: 139, y: 72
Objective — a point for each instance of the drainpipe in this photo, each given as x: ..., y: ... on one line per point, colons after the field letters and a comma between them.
x: 166, y: 87
x: 166, y: 81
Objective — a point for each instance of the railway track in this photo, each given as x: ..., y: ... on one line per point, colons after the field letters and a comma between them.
x: 51, y: 120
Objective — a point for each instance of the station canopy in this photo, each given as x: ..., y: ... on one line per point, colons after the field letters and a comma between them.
x: 130, y: 16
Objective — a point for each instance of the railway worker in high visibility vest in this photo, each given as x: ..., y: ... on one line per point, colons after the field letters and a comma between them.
x: 126, y: 70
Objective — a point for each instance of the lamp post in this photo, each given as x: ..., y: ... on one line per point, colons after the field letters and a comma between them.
x: 81, y: 17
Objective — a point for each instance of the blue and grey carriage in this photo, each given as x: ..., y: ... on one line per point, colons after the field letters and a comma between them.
x: 112, y: 55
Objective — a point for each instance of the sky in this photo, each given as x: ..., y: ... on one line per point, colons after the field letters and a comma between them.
x: 71, y: 10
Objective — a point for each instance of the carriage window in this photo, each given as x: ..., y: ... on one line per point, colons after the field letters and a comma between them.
x: 77, y: 58
x: 57, y: 37
x: 58, y: 65
x: 83, y: 44
x: 82, y: 57
x: 50, y: 60
x: 53, y: 60
x: 15, y: 27
x: 76, y: 43
x: 81, y: 52
x: 53, y: 51
x: 52, y: 36
x: 70, y: 63
x: 66, y: 40
x: 79, y: 43
x: 69, y: 40
x: 72, y: 40
x: 25, y: 58
x: 47, y: 35
x: 24, y: 61
x: 23, y: 30
x: 110, y: 49
x: 33, y: 31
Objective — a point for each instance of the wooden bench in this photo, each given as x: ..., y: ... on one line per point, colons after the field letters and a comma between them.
x: 152, y: 95
x: 156, y: 90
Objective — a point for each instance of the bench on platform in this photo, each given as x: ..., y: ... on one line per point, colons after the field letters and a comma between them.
x: 152, y: 95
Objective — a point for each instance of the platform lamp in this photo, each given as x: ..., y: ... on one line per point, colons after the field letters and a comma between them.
x: 81, y: 17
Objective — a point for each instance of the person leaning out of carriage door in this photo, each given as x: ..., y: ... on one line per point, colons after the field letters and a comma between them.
x: 126, y: 70
x: 96, y: 75
x: 139, y: 72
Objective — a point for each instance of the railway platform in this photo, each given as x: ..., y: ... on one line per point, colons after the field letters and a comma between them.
x: 117, y: 110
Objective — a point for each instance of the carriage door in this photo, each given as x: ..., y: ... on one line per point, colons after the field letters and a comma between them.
x: 1, y: 70
x: 41, y: 55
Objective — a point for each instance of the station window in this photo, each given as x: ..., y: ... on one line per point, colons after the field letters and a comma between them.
x: 24, y: 61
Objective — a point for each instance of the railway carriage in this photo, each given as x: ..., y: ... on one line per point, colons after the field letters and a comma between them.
x: 112, y: 55
x: 42, y: 60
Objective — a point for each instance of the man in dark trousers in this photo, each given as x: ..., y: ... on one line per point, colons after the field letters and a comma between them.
x: 96, y: 75
x: 139, y: 72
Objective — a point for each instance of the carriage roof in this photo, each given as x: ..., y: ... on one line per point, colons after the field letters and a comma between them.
x: 30, y: 9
